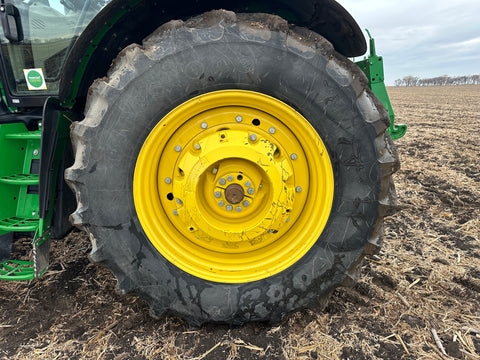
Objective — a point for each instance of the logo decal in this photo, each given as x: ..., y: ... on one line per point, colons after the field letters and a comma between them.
x: 35, y: 79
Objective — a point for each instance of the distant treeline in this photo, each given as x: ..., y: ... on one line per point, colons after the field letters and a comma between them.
x: 438, y: 81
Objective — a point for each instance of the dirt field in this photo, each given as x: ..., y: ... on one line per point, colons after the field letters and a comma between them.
x: 426, y: 277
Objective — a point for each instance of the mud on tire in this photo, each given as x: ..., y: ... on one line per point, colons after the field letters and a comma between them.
x: 218, y: 51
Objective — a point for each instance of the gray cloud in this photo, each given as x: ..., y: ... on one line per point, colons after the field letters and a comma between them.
x: 422, y: 38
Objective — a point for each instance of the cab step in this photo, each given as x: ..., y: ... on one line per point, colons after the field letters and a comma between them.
x: 17, y: 270
x: 27, y: 135
x: 20, y: 179
x: 16, y: 223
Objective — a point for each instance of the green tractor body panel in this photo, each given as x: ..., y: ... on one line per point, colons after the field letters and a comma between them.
x: 372, y: 66
x: 49, y: 68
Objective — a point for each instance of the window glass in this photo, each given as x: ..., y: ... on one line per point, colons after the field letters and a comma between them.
x: 36, y: 38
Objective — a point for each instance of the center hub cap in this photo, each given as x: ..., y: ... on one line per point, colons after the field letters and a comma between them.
x: 234, y: 193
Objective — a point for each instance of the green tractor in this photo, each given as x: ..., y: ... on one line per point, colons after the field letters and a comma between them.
x: 228, y: 161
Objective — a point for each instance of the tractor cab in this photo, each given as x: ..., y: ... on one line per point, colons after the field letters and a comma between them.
x: 36, y: 39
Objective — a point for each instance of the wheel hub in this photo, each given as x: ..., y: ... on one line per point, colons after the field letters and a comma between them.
x: 234, y: 193
x: 221, y: 187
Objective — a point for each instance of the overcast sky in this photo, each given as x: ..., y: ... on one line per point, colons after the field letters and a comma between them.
x: 422, y: 38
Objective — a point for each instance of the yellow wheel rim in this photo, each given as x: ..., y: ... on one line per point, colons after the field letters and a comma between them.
x: 233, y: 186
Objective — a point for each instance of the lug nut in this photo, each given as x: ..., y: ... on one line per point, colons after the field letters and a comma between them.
x: 238, y: 118
x: 197, y: 146
x: 246, y: 203
x: 35, y: 152
x: 178, y: 148
x: 179, y: 201
x: 253, y: 137
x: 175, y: 212
x: 222, y: 181
x: 214, y: 171
x: 204, y: 125
x: 229, y: 207
x: 248, y: 183
x: 238, y: 208
x: 221, y: 203
x: 298, y: 189
x: 230, y: 178
x: 168, y: 180
x: 272, y: 130
x: 250, y: 190
x: 217, y: 194
x: 293, y: 156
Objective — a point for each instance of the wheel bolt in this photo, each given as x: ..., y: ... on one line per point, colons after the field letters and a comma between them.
x: 238, y: 118
x: 293, y: 156
x: 272, y: 130
x: 250, y: 190
x: 246, y: 203
x: 229, y: 207
x: 214, y: 171
x: 197, y: 146
x: 253, y: 137
x: 217, y: 194
x: 221, y: 203
x: 238, y: 208
x: 179, y: 201
x: 230, y: 178
x: 168, y: 180
x: 35, y: 152
x: 222, y: 181
x: 248, y: 183
x: 178, y: 148
x: 175, y: 212
x: 298, y: 189
x: 204, y: 125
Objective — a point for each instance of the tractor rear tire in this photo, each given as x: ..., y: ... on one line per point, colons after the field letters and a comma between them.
x: 233, y: 168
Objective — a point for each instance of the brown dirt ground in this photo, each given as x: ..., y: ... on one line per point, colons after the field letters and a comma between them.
x: 426, y: 277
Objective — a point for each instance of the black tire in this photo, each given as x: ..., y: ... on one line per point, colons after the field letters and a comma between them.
x: 261, y: 53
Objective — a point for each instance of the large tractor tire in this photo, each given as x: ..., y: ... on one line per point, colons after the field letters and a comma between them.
x: 232, y: 168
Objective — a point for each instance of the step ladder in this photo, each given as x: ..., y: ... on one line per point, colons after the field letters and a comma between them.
x: 19, y: 194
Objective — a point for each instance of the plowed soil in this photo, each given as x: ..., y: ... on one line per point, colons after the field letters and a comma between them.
x: 425, y: 280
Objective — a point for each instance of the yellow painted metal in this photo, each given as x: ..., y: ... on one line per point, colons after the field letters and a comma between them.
x: 233, y: 142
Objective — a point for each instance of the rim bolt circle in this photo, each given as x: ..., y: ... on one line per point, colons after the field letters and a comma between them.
x: 222, y: 181
x: 229, y: 207
x: 250, y: 191
x: 217, y: 194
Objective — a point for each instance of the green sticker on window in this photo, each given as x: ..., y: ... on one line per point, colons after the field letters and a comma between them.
x: 35, y: 79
